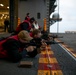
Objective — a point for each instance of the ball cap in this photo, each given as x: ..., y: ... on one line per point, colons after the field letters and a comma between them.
x: 24, y: 35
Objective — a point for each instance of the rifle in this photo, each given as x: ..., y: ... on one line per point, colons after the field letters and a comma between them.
x: 52, y: 42
x: 45, y: 36
x: 55, y: 36
x: 35, y: 42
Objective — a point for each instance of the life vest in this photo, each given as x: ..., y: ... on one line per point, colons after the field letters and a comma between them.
x: 28, y: 18
x: 18, y: 29
x: 3, y: 53
x: 26, y: 21
x: 31, y: 34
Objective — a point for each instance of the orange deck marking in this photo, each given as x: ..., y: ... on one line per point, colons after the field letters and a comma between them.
x: 45, y: 66
x: 48, y: 64
x: 45, y: 60
x: 49, y: 52
x: 56, y: 72
x: 43, y: 72
x: 45, y: 55
x: 72, y: 52
x: 48, y: 72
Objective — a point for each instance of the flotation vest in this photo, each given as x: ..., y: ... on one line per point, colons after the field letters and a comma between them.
x: 31, y: 34
x: 18, y: 29
x: 28, y: 18
x: 3, y: 53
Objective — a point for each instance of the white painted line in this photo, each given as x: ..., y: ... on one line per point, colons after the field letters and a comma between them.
x: 67, y: 52
x: 48, y: 54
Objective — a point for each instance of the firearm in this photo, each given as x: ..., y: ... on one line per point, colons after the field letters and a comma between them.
x: 55, y: 36
x: 52, y: 42
x: 45, y: 36
x: 34, y: 42
x: 30, y: 44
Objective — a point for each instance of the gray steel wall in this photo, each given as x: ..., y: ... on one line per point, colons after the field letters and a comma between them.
x: 33, y: 7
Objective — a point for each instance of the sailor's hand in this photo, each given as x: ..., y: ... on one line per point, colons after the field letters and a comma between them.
x: 44, y: 44
x: 30, y: 48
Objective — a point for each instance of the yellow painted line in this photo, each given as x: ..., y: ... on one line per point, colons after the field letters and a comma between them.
x: 45, y: 60
x: 56, y: 72
x: 49, y: 52
x: 50, y: 72
x: 74, y: 54
x: 68, y: 49
x: 49, y: 60
x: 49, y: 48
x: 43, y: 72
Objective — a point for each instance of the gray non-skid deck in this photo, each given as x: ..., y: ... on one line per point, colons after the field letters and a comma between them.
x: 69, y: 39
x: 9, y: 68
x: 65, y: 61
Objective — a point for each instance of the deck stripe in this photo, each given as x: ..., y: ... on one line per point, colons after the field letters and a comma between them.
x: 43, y: 72
x: 49, y: 52
x: 48, y: 72
x: 45, y: 60
x: 45, y: 55
x: 44, y: 66
x: 48, y: 64
x: 70, y: 50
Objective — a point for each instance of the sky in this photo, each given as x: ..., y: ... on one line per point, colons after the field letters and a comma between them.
x: 67, y: 11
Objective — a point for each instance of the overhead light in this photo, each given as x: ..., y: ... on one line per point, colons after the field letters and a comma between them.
x: 1, y: 5
x: 8, y: 7
x: 2, y: 14
x: 5, y: 17
x: 2, y: 17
